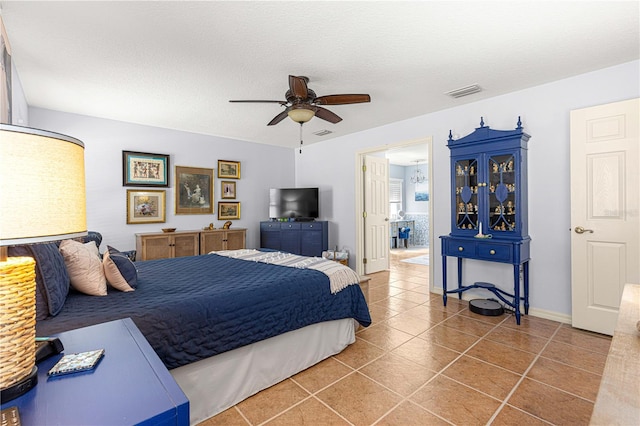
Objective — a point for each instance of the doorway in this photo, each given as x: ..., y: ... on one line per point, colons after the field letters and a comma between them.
x: 406, y: 159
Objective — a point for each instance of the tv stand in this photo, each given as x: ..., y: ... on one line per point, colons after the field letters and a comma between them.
x: 303, y: 238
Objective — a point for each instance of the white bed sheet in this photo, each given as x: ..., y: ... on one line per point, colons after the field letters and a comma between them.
x: 214, y: 384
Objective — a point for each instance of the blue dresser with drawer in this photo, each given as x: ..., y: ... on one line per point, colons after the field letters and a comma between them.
x: 303, y: 238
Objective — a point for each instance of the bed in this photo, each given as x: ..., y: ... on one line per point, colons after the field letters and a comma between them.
x: 223, y: 325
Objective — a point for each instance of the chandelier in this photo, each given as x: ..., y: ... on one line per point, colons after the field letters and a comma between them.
x: 418, y: 177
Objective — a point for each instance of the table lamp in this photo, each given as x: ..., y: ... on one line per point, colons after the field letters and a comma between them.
x: 42, y: 198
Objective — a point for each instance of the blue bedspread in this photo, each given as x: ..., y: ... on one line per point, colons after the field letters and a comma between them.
x: 192, y: 308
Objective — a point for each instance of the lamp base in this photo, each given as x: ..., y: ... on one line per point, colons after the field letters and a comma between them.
x: 21, y: 387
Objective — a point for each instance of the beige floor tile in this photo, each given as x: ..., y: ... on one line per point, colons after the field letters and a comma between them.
x: 483, y: 377
x: 510, y: 416
x: 584, y: 339
x: 488, y: 318
x: 410, y: 414
x: 502, y: 355
x: 359, y: 353
x: 535, y: 326
x: 229, y: 417
x: 384, y: 336
x: 426, y: 354
x: 427, y: 311
x: 397, y: 373
x: 517, y: 339
x: 449, y: 337
x: 380, y: 313
x: 576, y: 356
x: 409, y: 324
x: 413, y: 296
x: 308, y: 412
x: 455, y: 402
x: 468, y: 325
x: 272, y: 401
x: 359, y: 399
x: 396, y: 304
x: 551, y: 404
x: 567, y: 378
x: 321, y: 375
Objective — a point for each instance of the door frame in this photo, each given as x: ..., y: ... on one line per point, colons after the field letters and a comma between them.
x: 359, y: 194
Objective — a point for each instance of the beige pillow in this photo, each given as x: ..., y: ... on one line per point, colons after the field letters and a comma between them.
x: 84, y: 267
x: 113, y: 274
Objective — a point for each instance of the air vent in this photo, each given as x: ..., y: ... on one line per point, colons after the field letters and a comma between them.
x: 464, y: 91
x: 322, y: 132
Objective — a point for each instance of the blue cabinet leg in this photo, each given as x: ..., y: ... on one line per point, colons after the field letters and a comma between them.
x: 525, y: 271
x: 459, y: 277
x: 444, y: 280
x: 516, y: 291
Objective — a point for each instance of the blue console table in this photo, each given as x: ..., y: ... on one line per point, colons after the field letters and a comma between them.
x: 489, y: 218
x: 129, y: 386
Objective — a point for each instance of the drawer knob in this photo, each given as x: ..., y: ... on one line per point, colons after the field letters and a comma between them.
x: 460, y: 249
x: 492, y: 252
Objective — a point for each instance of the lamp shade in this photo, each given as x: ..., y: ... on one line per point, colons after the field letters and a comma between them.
x: 42, y: 186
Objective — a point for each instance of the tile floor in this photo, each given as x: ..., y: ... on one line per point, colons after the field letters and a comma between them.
x: 420, y: 363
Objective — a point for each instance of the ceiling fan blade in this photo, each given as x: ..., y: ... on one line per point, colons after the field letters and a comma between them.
x: 327, y: 115
x: 298, y: 87
x: 341, y: 99
x: 278, y: 118
x: 265, y: 101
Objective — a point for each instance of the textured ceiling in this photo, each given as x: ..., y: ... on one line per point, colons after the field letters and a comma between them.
x: 177, y: 64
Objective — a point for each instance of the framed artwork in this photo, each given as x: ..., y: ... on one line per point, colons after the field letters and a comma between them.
x: 228, y: 210
x: 228, y: 169
x: 145, y: 169
x: 145, y: 206
x: 228, y: 189
x: 194, y: 190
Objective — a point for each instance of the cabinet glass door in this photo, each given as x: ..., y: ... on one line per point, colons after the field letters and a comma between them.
x: 466, y: 187
x: 502, y: 193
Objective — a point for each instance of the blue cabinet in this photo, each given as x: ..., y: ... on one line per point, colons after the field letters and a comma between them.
x: 130, y: 385
x: 303, y: 238
x: 489, y: 207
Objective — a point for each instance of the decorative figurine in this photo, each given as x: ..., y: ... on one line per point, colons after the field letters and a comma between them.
x: 495, y: 167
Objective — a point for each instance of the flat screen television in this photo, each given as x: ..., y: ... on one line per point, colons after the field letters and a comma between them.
x: 298, y: 203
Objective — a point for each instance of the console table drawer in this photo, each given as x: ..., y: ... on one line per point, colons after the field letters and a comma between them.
x: 496, y: 252
x: 459, y: 248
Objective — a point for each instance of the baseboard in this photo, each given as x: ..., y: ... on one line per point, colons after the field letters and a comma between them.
x: 534, y: 312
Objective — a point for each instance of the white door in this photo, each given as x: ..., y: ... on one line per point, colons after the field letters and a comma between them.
x: 376, y: 214
x: 605, y: 211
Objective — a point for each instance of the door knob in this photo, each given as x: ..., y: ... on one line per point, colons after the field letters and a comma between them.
x: 581, y: 230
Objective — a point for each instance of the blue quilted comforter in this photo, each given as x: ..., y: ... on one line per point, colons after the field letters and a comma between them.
x: 192, y: 308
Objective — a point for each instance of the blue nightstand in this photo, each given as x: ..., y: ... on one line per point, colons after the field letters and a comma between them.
x: 129, y: 386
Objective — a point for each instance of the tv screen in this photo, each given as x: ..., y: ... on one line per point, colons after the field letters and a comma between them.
x: 293, y: 203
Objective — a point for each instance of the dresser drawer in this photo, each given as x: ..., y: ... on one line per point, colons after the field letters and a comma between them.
x: 286, y: 226
x: 495, y: 252
x: 460, y: 248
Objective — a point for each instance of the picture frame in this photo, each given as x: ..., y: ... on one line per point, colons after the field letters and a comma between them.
x: 146, y: 206
x: 145, y: 169
x: 194, y: 190
x: 228, y: 169
x: 227, y: 189
x: 228, y: 210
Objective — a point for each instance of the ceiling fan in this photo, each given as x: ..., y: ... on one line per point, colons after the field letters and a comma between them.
x: 302, y: 104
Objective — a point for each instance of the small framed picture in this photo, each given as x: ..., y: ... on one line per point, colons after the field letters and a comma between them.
x: 145, y: 206
x: 228, y: 189
x: 194, y: 190
x: 228, y: 210
x: 145, y: 169
x: 228, y: 169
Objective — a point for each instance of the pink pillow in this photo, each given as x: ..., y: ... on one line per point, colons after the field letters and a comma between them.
x: 84, y: 267
x: 113, y: 274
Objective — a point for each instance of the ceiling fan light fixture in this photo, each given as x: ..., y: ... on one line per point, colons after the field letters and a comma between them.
x: 300, y: 115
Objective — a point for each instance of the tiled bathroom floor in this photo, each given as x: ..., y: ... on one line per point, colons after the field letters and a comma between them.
x: 420, y: 363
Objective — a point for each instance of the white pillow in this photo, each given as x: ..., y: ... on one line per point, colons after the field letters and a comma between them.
x: 113, y: 274
x: 84, y: 267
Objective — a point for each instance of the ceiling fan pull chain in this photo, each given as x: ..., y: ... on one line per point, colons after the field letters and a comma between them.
x: 301, y: 138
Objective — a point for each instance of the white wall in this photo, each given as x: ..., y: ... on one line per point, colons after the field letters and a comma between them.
x: 545, y: 116
x: 262, y: 167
